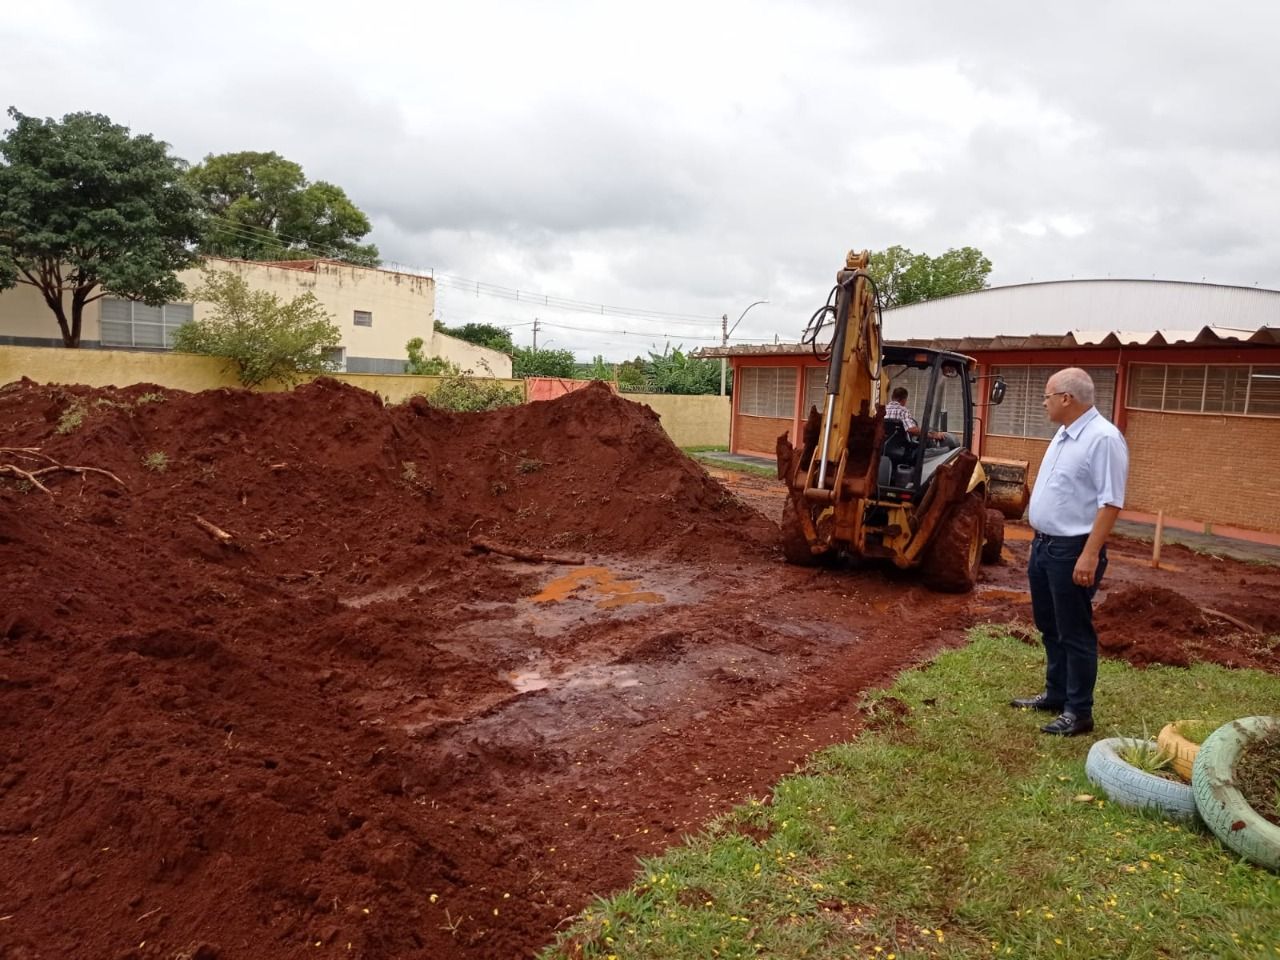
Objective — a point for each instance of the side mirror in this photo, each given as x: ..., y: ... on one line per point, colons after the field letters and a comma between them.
x: 997, y: 391
x: 942, y: 421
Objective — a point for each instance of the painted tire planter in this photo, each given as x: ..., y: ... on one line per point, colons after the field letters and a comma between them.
x: 1182, y: 752
x: 1222, y: 807
x: 1127, y: 786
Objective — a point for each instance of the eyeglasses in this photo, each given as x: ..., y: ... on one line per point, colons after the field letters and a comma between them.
x: 1060, y: 393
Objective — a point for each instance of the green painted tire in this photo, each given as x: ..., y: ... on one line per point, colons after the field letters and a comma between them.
x: 1222, y: 807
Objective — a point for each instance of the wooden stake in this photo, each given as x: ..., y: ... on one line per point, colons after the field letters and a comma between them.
x: 1155, y: 547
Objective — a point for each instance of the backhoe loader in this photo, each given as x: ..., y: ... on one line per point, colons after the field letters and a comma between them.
x: 864, y: 486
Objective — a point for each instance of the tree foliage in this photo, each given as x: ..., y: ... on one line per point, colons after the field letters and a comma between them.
x: 87, y: 208
x: 422, y: 366
x: 264, y: 338
x: 527, y: 362
x: 260, y: 206
x: 481, y: 334
x: 674, y: 371
x: 904, y: 277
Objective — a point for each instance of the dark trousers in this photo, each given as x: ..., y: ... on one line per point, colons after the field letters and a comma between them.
x: 1063, y: 612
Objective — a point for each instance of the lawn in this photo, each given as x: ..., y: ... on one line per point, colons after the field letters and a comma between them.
x: 952, y: 828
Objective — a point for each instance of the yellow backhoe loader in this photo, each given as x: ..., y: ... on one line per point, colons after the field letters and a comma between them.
x: 865, y: 486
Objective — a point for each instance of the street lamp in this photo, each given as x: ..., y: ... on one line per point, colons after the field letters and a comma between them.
x: 725, y: 331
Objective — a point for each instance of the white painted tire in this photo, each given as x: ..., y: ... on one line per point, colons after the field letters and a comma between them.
x: 1222, y: 806
x: 1127, y: 786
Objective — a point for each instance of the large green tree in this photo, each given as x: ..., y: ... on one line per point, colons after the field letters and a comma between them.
x: 481, y: 334
x: 87, y: 208
x: 904, y: 277
x: 527, y: 362
x: 261, y: 206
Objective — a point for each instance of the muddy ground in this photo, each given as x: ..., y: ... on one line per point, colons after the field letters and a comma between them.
x: 345, y: 732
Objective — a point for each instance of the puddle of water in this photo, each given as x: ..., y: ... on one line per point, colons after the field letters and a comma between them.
x: 615, y: 591
x: 1015, y: 596
x: 585, y: 677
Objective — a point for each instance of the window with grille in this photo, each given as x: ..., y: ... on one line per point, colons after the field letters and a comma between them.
x: 1022, y: 412
x: 364, y: 318
x: 1251, y: 391
x: 767, y: 391
x: 126, y: 323
x: 815, y: 390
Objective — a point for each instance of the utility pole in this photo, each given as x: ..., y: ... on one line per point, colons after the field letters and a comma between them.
x: 535, y: 333
x: 724, y: 342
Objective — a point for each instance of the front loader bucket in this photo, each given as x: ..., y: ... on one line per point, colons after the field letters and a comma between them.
x: 1007, y: 486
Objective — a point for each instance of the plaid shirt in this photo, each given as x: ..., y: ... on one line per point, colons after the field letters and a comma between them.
x: 896, y: 411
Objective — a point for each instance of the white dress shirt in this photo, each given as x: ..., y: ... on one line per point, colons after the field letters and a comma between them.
x: 1083, y: 470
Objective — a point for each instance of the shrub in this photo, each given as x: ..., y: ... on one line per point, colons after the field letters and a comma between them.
x: 467, y: 394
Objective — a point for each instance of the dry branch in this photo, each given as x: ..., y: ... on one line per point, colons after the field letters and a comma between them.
x: 31, y: 453
x: 1247, y: 627
x: 482, y: 545
x: 29, y: 477
x: 216, y: 532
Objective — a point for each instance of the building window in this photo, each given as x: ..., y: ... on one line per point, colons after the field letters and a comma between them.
x: 815, y: 390
x: 126, y: 323
x: 335, y: 359
x: 1250, y: 391
x: 364, y: 318
x: 767, y: 391
x: 1022, y: 412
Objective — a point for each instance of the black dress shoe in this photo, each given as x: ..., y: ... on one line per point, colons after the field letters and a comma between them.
x: 1068, y: 725
x: 1040, y: 701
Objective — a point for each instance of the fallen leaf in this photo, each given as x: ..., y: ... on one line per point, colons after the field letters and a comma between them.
x: 1238, y: 825
x: 1084, y: 798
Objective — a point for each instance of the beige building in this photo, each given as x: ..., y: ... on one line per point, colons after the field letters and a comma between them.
x: 378, y: 312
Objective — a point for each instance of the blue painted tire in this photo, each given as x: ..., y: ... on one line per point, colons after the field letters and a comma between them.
x: 1127, y: 786
x: 1222, y: 806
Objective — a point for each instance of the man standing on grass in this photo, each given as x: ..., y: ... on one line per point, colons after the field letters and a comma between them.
x: 1078, y: 494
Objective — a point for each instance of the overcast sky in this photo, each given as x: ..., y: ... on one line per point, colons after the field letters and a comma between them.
x: 690, y: 158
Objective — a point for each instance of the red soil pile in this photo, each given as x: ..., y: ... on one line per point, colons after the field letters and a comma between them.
x: 192, y: 755
x: 1146, y: 624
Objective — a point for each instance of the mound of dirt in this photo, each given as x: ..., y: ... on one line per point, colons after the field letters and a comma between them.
x: 1146, y: 624
x: 195, y: 735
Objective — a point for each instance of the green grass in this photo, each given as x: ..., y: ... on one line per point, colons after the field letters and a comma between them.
x: 707, y: 448
x: 751, y: 468
x: 958, y: 830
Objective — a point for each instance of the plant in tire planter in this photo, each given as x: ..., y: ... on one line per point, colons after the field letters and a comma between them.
x: 1128, y: 786
x: 1232, y: 768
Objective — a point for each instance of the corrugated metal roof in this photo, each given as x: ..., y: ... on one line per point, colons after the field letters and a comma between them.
x: 1205, y: 336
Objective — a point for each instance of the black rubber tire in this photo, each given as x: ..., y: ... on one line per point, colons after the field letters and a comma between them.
x: 1127, y: 786
x: 1222, y: 806
x: 993, y: 537
x: 954, y: 558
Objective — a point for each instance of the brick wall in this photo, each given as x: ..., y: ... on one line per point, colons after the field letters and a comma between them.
x: 758, y: 434
x: 1209, y: 468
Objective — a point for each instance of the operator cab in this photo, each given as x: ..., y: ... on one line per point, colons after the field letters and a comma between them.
x: 940, y: 402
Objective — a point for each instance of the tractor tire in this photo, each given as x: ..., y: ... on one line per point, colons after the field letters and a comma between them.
x: 1222, y: 806
x: 952, y: 561
x: 993, y: 537
x: 1127, y: 786
x: 1181, y: 751
x: 795, y: 545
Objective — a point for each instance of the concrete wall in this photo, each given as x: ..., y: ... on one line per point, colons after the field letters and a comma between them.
x: 402, y: 305
x: 26, y: 319
x: 690, y: 421
x: 179, y: 371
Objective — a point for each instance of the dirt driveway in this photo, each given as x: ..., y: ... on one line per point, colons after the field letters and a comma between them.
x: 347, y: 733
